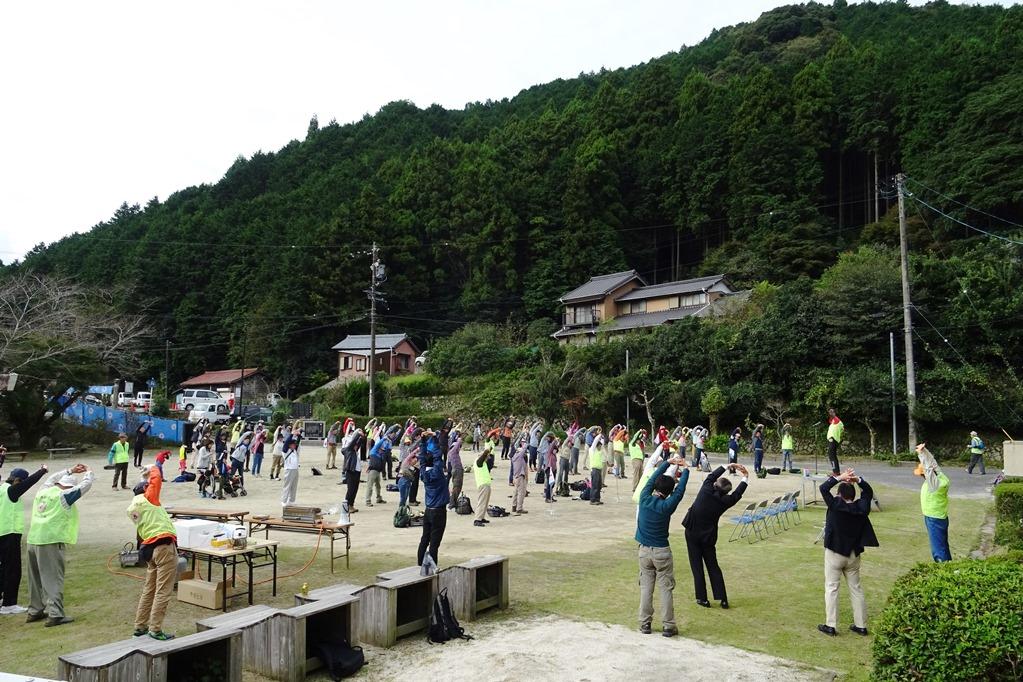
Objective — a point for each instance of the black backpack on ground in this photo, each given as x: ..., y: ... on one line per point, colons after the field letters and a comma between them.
x: 463, y: 506
x: 584, y: 494
x: 443, y: 624
x: 340, y: 658
x: 402, y: 518
x: 577, y: 486
x: 497, y: 512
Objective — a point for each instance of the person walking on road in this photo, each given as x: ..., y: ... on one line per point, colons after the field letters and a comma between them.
x: 701, y: 522
x: 54, y: 526
x: 12, y: 527
x: 976, y: 454
x: 847, y: 531
x: 658, y: 500
x: 159, y: 551
x: 836, y: 429
x: 934, y: 503
x: 118, y: 456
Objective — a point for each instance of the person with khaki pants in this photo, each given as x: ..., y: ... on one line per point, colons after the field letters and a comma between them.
x: 519, y: 469
x: 636, y: 455
x: 847, y: 531
x: 481, y: 472
x: 658, y: 500
x: 160, y: 552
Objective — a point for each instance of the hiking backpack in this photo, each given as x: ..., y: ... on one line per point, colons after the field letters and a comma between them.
x: 402, y: 518
x: 340, y: 658
x: 463, y: 506
x: 443, y: 624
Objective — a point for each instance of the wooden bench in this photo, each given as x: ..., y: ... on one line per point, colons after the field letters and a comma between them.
x: 216, y: 654
x: 476, y: 585
x: 332, y: 619
x: 61, y: 452
x: 20, y: 454
x: 331, y: 592
x: 259, y: 524
x: 397, y: 606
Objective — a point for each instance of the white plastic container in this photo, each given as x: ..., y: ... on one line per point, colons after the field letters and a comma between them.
x: 192, y: 532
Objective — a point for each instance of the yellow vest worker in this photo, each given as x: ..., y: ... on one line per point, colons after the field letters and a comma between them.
x: 160, y: 552
x: 12, y: 527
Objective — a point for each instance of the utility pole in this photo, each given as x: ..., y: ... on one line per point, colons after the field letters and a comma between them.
x: 907, y: 314
x: 627, y: 396
x: 166, y: 371
x: 241, y: 385
x: 895, y: 426
x: 377, y: 276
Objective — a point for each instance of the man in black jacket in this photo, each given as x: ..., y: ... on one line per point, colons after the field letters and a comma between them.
x: 12, y: 527
x: 701, y: 521
x: 847, y: 531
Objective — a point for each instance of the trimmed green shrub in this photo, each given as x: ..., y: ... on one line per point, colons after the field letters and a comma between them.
x: 404, y: 405
x: 415, y: 386
x: 959, y: 620
x: 717, y: 443
x: 1009, y: 513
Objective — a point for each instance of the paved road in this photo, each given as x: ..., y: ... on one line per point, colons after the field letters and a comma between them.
x: 963, y: 484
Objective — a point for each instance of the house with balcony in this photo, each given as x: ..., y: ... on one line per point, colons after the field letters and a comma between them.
x: 622, y: 302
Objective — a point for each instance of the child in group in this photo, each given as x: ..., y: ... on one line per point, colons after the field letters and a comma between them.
x: 182, y: 459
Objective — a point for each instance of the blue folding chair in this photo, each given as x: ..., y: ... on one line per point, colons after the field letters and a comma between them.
x: 742, y: 523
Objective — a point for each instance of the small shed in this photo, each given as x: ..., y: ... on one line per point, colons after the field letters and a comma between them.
x: 395, y: 354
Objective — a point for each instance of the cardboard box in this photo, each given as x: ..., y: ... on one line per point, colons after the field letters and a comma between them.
x: 202, y: 593
x: 193, y: 532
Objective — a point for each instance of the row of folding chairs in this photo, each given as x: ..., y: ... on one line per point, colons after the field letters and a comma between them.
x: 759, y: 519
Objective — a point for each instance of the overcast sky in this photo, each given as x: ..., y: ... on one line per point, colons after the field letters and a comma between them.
x: 107, y: 101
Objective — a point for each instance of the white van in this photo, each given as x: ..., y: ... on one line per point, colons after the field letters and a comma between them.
x: 191, y: 398
x: 143, y: 400
x: 215, y: 413
x: 125, y: 399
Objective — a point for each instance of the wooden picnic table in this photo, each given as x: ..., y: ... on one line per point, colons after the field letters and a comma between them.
x: 334, y: 530
x: 61, y: 452
x: 221, y: 515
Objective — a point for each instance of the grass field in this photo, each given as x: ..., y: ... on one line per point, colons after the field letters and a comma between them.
x: 775, y: 589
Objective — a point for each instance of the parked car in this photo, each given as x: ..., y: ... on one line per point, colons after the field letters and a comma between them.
x: 92, y: 400
x: 253, y: 413
x: 125, y: 399
x: 143, y: 400
x: 421, y: 360
x: 215, y: 413
x: 191, y: 398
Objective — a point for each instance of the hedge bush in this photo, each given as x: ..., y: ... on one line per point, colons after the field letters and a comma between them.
x: 415, y: 386
x: 959, y: 620
x: 1009, y: 512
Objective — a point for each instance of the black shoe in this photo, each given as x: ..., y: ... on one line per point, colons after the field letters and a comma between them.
x: 724, y: 603
x: 479, y: 523
x: 140, y: 631
x: 34, y: 617
x: 859, y: 631
x: 669, y: 632
x: 486, y: 520
x: 827, y: 630
x: 645, y: 629
x: 54, y: 622
x: 703, y: 602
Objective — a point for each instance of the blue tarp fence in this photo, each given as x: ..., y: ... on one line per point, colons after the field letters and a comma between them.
x: 116, y: 420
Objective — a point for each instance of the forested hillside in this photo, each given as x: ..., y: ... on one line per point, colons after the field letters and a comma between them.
x: 763, y: 152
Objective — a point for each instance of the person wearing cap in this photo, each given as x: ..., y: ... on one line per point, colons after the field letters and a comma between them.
x: 119, y: 457
x: 976, y: 454
x: 934, y: 503
x: 12, y: 527
x: 54, y: 526
x: 435, y: 484
x: 159, y: 551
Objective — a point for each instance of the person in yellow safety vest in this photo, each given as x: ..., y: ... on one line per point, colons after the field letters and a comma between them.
x: 481, y: 472
x: 236, y: 431
x: 159, y: 551
x: 12, y: 527
x: 596, y: 467
x: 54, y: 526
x: 636, y: 455
x: 976, y: 454
x: 836, y: 429
x: 119, y: 456
x: 787, y: 446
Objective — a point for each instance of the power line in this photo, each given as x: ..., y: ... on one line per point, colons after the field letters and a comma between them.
x: 954, y: 201
x: 964, y: 224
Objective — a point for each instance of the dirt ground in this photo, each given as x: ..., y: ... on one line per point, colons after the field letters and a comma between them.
x: 552, y: 648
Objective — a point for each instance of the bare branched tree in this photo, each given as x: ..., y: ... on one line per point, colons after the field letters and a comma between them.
x: 48, y: 321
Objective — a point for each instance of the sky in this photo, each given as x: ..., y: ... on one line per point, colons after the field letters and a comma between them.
x: 111, y: 101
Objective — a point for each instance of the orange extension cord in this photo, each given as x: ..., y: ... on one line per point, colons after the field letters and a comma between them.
x: 319, y: 537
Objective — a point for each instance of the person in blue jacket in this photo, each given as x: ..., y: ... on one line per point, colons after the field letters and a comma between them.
x: 437, y: 497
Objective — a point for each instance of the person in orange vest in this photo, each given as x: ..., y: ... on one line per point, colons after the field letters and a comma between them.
x: 158, y: 550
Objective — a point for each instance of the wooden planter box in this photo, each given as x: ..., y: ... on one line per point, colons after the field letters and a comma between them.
x: 476, y: 585
x: 331, y: 619
x: 397, y: 606
x: 215, y: 654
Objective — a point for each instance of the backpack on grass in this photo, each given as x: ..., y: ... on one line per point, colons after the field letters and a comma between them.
x: 340, y: 658
x: 402, y: 518
x: 443, y: 624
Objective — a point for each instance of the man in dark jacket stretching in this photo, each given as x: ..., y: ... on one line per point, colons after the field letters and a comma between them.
x: 701, y: 521
x: 437, y: 497
x: 847, y: 531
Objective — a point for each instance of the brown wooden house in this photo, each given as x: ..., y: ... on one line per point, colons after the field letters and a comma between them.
x: 395, y: 354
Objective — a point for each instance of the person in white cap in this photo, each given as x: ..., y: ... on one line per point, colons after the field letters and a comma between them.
x: 54, y: 525
x: 976, y: 454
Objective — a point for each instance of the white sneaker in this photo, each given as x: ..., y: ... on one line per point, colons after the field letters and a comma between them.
x: 12, y: 610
